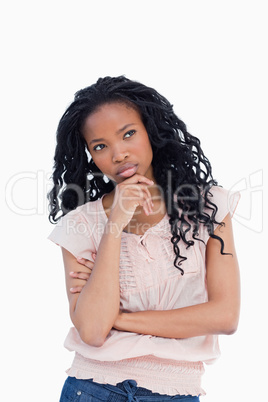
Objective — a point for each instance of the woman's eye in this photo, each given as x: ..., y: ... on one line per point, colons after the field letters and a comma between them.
x: 129, y: 133
x: 99, y: 147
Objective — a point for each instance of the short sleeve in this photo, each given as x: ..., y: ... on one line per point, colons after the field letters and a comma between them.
x: 226, y: 202
x: 74, y: 233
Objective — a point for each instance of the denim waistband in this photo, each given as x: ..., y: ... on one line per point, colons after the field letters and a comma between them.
x: 124, y: 391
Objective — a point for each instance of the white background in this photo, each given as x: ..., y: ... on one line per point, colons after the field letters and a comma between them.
x: 209, y: 58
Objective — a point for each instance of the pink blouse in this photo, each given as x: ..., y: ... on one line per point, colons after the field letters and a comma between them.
x: 148, y: 281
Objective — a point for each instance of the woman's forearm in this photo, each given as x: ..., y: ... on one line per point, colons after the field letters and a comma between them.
x: 220, y: 315
x: 198, y: 320
x: 98, y: 304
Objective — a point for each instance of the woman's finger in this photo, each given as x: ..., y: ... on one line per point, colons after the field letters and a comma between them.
x: 145, y: 199
x: 137, y: 178
x: 80, y: 275
x: 76, y: 289
x: 140, y: 195
x: 87, y: 263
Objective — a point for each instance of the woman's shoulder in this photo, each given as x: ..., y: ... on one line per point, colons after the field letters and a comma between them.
x: 78, y: 230
x: 90, y: 210
x: 225, y: 200
x: 84, y: 217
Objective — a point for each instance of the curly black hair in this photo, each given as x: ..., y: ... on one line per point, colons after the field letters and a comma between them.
x: 179, y: 165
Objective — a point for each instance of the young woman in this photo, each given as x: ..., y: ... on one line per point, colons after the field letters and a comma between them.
x: 146, y: 236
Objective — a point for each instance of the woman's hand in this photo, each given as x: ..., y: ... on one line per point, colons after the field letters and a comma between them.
x: 82, y: 275
x: 130, y: 194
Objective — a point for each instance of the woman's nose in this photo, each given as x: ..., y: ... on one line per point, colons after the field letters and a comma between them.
x: 119, y: 155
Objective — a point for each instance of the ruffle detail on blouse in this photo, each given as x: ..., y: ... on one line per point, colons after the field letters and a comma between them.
x: 162, y: 376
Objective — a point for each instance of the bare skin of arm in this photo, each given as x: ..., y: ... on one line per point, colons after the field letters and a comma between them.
x: 219, y: 315
x: 94, y: 309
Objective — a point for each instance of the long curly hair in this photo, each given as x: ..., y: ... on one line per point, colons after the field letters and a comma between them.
x: 179, y: 165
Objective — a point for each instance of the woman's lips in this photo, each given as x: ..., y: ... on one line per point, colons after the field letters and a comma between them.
x: 127, y: 170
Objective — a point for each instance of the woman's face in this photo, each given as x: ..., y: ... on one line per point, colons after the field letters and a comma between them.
x: 118, y: 142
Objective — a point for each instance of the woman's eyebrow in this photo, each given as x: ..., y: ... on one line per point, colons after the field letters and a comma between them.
x: 96, y: 140
x: 118, y: 132
x: 125, y: 127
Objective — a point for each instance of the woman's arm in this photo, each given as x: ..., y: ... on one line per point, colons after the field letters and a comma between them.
x: 219, y: 315
x: 94, y: 310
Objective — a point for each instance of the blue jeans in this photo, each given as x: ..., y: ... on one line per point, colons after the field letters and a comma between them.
x: 127, y: 391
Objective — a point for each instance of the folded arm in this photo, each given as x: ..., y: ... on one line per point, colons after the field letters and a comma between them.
x: 219, y: 315
x: 94, y: 298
